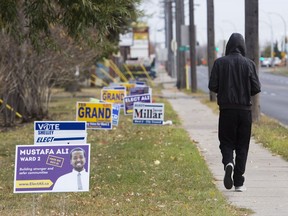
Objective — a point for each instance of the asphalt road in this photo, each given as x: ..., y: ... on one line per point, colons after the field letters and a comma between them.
x: 273, y: 98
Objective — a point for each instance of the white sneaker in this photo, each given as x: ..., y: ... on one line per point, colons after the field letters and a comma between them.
x: 228, y: 180
x: 240, y: 188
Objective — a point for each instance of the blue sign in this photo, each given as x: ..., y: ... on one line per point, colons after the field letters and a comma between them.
x: 115, y: 114
x: 60, y: 132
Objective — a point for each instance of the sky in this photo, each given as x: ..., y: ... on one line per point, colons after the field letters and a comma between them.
x: 229, y: 18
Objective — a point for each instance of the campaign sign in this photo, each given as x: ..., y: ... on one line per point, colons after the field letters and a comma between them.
x: 138, y: 83
x: 95, y: 100
x: 115, y: 114
x: 51, y: 168
x: 139, y: 90
x: 148, y: 113
x: 115, y: 86
x: 128, y: 86
x: 118, y: 86
x: 60, y: 132
x: 97, y: 115
x: 130, y: 100
x: 114, y: 96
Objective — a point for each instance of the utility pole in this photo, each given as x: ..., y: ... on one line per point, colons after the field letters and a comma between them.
x: 179, y: 16
x: 211, y: 41
x: 169, y: 35
x: 252, y: 45
x: 182, y: 54
x: 192, y: 42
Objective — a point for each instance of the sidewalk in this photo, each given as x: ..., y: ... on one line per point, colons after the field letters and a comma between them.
x: 266, y: 174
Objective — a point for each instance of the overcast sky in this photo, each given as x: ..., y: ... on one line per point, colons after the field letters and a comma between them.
x: 229, y: 17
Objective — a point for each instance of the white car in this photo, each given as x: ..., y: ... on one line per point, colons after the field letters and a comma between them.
x: 268, y: 62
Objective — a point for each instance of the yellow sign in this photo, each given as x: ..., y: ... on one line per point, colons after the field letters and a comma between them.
x: 128, y: 86
x: 41, y: 183
x: 140, y: 36
x: 94, y: 112
x: 113, y: 95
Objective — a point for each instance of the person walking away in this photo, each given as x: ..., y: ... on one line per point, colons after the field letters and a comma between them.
x: 234, y: 79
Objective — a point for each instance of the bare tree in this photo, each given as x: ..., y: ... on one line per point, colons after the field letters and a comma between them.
x: 27, y: 77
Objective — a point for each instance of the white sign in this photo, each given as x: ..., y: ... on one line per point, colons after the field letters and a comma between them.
x: 126, y: 39
x: 60, y: 132
x: 148, y: 113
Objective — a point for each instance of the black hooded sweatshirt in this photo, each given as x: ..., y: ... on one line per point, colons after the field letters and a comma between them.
x: 233, y: 76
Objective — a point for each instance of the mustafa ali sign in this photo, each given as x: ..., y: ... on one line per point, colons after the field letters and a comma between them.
x: 51, y: 168
x: 130, y: 100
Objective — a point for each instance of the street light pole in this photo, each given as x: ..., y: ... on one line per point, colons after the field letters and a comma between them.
x: 284, y: 38
x: 223, y: 38
x: 271, y: 43
x: 231, y: 23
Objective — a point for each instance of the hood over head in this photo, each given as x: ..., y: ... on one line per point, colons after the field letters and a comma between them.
x: 236, y: 43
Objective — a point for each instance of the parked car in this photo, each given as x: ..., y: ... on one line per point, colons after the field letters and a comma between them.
x: 277, y: 61
x: 269, y: 62
x: 266, y: 62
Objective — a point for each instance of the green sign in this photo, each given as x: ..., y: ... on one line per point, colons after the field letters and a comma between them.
x: 183, y: 48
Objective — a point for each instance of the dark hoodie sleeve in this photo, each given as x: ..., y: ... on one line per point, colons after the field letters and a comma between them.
x: 213, y: 81
x: 254, y: 80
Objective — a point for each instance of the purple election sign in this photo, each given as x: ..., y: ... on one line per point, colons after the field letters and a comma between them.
x: 138, y: 90
x: 52, y: 168
x: 130, y: 100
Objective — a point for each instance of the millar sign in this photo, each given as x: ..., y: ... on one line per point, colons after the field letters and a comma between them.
x: 148, y: 113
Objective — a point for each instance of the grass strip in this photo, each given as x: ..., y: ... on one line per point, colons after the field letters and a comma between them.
x: 134, y: 170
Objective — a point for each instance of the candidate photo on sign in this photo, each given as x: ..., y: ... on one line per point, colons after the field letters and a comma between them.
x: 78, y: 179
